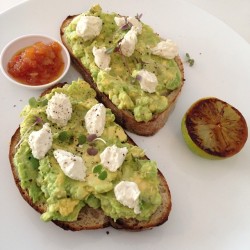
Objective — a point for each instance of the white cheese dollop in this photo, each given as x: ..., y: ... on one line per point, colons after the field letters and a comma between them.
x: 166, y: 49
x: 148, y: 80
x: 71, y: 165
x: 95, y: 119
x: 127, y: 45
x: 89, y: 27
x: 40, y: 141
x: 113, y: 157
x: 121, y: 21
x: 127, y: 193
x: 102, y: 59
x: 59, y: 109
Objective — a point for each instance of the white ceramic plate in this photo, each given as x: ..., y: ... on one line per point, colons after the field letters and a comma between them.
x: 211, y: 199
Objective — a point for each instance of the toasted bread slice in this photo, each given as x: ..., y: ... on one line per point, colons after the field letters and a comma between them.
x: 90, y: 218
x: 124, y: 117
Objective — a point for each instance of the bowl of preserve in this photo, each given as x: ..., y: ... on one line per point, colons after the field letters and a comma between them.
x: 34, y: 61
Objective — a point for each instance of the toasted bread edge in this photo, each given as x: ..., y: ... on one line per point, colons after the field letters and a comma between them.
x: 124, y: 117
x: 90, y: 218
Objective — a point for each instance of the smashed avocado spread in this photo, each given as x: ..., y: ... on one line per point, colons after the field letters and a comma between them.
x: 63, y: 196
x: 119, y: 81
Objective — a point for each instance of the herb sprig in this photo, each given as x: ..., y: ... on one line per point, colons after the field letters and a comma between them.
x: 38, y: 120
x: 189, y: 60
x: 102, y: 174
x: 36, y: 103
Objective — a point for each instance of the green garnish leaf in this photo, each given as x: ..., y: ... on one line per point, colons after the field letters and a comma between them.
x: 138, y: 16
x: 63, y: 136
x: 110, y: 50
x: 82, y: 139
x: 189, y: 60
x: 187, y: 56
x: 33, y: 102
x: 43, y: 103
x: 97, y: 169
x: 103, y: 175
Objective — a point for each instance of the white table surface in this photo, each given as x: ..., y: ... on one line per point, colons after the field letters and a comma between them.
x: 235, y: 14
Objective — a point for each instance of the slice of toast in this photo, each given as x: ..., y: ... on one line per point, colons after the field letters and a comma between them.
x: 124, y: 117
x: 90, y: 218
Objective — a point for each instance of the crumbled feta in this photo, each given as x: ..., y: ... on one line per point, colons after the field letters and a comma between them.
x: 113, y: 157
x: 71, y: 165
x: 40, y: 141
x: 127, y: 45
x: 148, y: 80
x: 102, y: 59
x: 95, y: 119
x: 121, y: 21
x: 127, y: 193
x: 89, y: 27
x: 59, y: 109
x: 166, y: 49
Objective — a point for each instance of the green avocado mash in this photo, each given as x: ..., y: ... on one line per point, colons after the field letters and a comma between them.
x: 64, y: 197
x: 119, y: 83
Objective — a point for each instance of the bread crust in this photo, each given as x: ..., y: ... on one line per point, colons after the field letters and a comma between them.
x: 124, y: 117
x: 89, y: 218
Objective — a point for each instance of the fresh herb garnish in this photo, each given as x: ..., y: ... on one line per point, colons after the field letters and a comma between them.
x: 97, y: 169
x: 114, y: 49
x: 138, y: 16
x: 81, y: 139
x: 126, y: 26
x: 110, y: 50
x: 100, y: 139
x: 91, y: 137
x: 38, y: 120
x: 102, y: 174
x: 189, y: 60
x: 35, y: 103
x: 63, y: 136
x: 92, y: 151
x: 138, y: 78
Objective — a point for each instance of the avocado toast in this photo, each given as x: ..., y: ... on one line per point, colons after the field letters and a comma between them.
x: 134, y: 72
x: 91, y: 202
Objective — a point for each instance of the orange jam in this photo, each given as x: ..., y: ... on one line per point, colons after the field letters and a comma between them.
x: 38, y: 64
